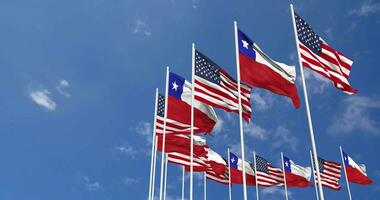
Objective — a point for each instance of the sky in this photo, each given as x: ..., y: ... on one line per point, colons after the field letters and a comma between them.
x: 78, y: 79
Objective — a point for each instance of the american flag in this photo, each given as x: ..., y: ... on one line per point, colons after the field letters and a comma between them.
x: 330, y: 173
x: 267, y: 175
x: 220, y: 178
x: 321, y: 58
x: 215, y: 87
x: 172, y: 126
x: 199, y: 162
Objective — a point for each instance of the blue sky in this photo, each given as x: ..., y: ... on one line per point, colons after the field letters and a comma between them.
x: 78, y: 80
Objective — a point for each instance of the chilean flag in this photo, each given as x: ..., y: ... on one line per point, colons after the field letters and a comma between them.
x: 259, y: 70
x: 236, y: 167
x: 356, y: 173
x: 179, y: 106
x: 181, y: 144
x: 296, y: 176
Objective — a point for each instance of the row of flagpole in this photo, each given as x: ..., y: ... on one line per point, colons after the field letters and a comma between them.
x: 313, y: 153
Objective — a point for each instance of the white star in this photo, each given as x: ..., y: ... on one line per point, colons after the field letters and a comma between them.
x: 245, y: 44
x: 232, y: 160
x: 286, y: 164
x: 175, y: 86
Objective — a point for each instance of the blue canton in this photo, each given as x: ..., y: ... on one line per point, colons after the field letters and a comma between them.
x: 246, y: 50
x: 161, y: 105
x: 307, y: 36
x: 206, y: 68
x: 261, y: 165
x: 175, y: 85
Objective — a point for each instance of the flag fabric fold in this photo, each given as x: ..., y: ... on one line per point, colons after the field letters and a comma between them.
x: 180, y: 143
x: 317, y: 55
x: 259, y: 70
x: 356, y: 173
x: 330, y: 173
x: 296, y: 175
x: 236, y: 165
x: 215, y: 87
x: 267, y: 175
x: 179, y: 110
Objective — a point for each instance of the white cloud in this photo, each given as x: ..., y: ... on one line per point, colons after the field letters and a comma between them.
x: 271, y: 191
x: 355, y: 115
x: 127, y: 149
x: 283, y: 137
x: 130, y: 180
x: 145, y: 129
x: 366, y: 8
x: 218, y: 126
x: 141, y: 27
x: 329, y: 34
x: 41, y: 97
x: 91, y: 186
x: 256, y: 131
x: 61, y: 86
x: 261, y: 101
x: 315, y: 82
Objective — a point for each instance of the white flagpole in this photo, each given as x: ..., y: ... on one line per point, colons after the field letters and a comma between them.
x: 345, y: 173
x: 164, y: 133
x: 313, y: 145
x: 283, y: 171
x: 315, y: 180
x: 154, y: 165
x: 153, y: 146
x: 166, y: 174
x: 192, y: 120
x: 183, y: 182
x: 204, y: 186
x: 240, y: 109
x: 257, y: 184
x: 229, y: 175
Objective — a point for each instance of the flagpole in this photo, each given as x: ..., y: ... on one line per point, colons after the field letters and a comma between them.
x: 153, y: 146
x: 313, y: 145
x: 283, y: 171
x: 204, y: 186
x: 183, y: 182
x: 315, y: 180
x: 164, y: 133
x: 345, y: 173
x: 192, y: 120
x: 240, y: 109
x: 154, y: 165
x: 257, y: 184
x: 229, y: 175
x: 166, y: 174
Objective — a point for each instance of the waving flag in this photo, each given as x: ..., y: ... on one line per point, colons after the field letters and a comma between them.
x: 296, y: 175
x: 356, y: 173
x: 179, y: 110
x: 330, y: 174
x: 215, y: 87
x: 178, y: 148
x: 181, y: 144
x: 217, y: 170
x: 267, y: 175
x: 237, y: 171
x: 199, y: 161
x: 259, y: 70
x: 321, y: 58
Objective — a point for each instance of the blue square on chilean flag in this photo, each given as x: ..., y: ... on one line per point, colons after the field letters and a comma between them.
x: 287, y: 164
x: 246, y: 45
x: 345, y: 158
x: 175, y: 85
x: 233, y: 160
